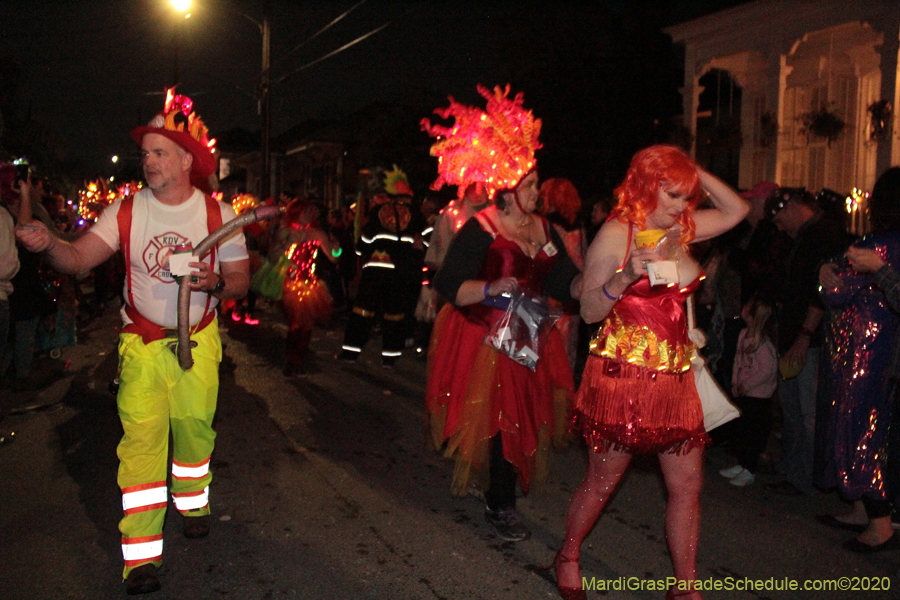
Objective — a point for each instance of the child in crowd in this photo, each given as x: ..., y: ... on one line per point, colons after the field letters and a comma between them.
x: 753, y: 382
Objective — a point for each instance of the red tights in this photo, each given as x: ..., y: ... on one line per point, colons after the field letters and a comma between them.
x: 295, y: 345
x: 684, y: 479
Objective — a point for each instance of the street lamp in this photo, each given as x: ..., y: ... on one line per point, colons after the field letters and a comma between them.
x: 182, y: 6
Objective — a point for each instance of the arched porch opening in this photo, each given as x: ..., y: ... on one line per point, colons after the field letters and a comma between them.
x: 719, y: 132
x: 829, y: 79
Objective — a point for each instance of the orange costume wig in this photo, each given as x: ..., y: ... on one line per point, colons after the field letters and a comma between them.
x: 654, y: 168
x: 560, y: 195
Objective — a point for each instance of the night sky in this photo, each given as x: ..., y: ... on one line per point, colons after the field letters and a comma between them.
x: 92, y: 70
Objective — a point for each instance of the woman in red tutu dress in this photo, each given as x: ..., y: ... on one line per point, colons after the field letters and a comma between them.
x: 637, y: 394
x: 495, y: 415
x: 490, y: 413
x: 305, y: 298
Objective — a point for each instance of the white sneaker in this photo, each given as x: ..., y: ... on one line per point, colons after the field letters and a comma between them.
x: 731, y: 472
x: 743, y: 478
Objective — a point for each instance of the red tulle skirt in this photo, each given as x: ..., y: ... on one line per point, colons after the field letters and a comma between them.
x: 474, y: 392
x: 306, y: 302
x: 629, y: 408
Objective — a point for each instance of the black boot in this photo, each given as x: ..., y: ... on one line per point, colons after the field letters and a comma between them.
x: 142, y: 580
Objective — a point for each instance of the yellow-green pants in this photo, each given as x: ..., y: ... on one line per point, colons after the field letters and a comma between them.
x: 156, y: 395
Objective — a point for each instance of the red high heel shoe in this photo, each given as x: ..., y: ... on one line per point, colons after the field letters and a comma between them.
x: 566, y: 593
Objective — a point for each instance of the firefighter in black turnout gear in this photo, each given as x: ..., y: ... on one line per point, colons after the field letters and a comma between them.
x: 391, y: 249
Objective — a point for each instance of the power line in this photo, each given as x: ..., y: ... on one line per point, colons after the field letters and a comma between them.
x: 324, y: 29
x: 332, y: 53
x: 341, y: 49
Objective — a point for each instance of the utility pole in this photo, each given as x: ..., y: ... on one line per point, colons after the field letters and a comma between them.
x: 183, y: 7
x: 265, y: 111
x: 175, y: 76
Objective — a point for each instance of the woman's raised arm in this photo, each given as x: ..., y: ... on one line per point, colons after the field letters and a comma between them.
x: 730, y: 209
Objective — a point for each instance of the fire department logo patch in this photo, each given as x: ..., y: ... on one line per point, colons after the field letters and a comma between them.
x: 156, y: 255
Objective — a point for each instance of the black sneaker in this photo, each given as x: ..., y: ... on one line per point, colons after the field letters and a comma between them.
x: 508, y: 524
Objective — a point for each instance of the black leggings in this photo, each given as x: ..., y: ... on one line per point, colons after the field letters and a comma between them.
x: 752, y: 429
x: 502, y: 493
x: 876, y: 508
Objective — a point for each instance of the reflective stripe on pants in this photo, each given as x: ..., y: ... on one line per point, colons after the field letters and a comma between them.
x: 155, y: 395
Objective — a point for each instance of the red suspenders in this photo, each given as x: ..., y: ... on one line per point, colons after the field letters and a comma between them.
x: 149, y: 330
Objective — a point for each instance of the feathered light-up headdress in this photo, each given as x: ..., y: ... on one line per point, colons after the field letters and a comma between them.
x: 180, y: 123
x: 494, y: 146
x: 243, y: 203
x: 95, y: 196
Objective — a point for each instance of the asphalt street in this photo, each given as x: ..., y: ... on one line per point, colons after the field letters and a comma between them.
x: 324, y: 488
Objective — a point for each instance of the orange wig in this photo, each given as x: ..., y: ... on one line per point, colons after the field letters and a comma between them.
x: 560, y: 195
x: 301, y: 213
x: 652, y: 169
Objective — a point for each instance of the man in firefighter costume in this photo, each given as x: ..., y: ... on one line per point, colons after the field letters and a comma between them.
x: 155, y: 394
x: 391, y: 249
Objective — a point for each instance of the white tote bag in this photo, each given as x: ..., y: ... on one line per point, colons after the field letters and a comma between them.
x: 717, y: 408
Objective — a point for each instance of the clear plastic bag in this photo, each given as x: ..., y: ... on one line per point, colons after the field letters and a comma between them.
x: 521, y: 333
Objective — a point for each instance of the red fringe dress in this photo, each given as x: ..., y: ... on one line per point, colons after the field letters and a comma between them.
x: 637, y: 392
x: 474, y: 391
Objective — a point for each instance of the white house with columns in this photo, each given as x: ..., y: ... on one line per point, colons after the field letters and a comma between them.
x: 793, y: 61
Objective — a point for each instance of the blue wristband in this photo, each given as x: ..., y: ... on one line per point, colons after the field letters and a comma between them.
x: 607, y: 294
x: 486, y: 294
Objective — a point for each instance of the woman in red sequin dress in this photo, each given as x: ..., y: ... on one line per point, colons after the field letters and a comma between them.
x: 637, y: 394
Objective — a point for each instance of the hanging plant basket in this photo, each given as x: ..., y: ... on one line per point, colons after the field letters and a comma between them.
x: 882, y: 112
x: 822, y: 123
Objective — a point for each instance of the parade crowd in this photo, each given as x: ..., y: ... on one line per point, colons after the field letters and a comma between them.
x: 544, y: 321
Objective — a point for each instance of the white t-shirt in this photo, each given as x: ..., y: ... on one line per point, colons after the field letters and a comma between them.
x: 156, y: 229
x: 9, y: 255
